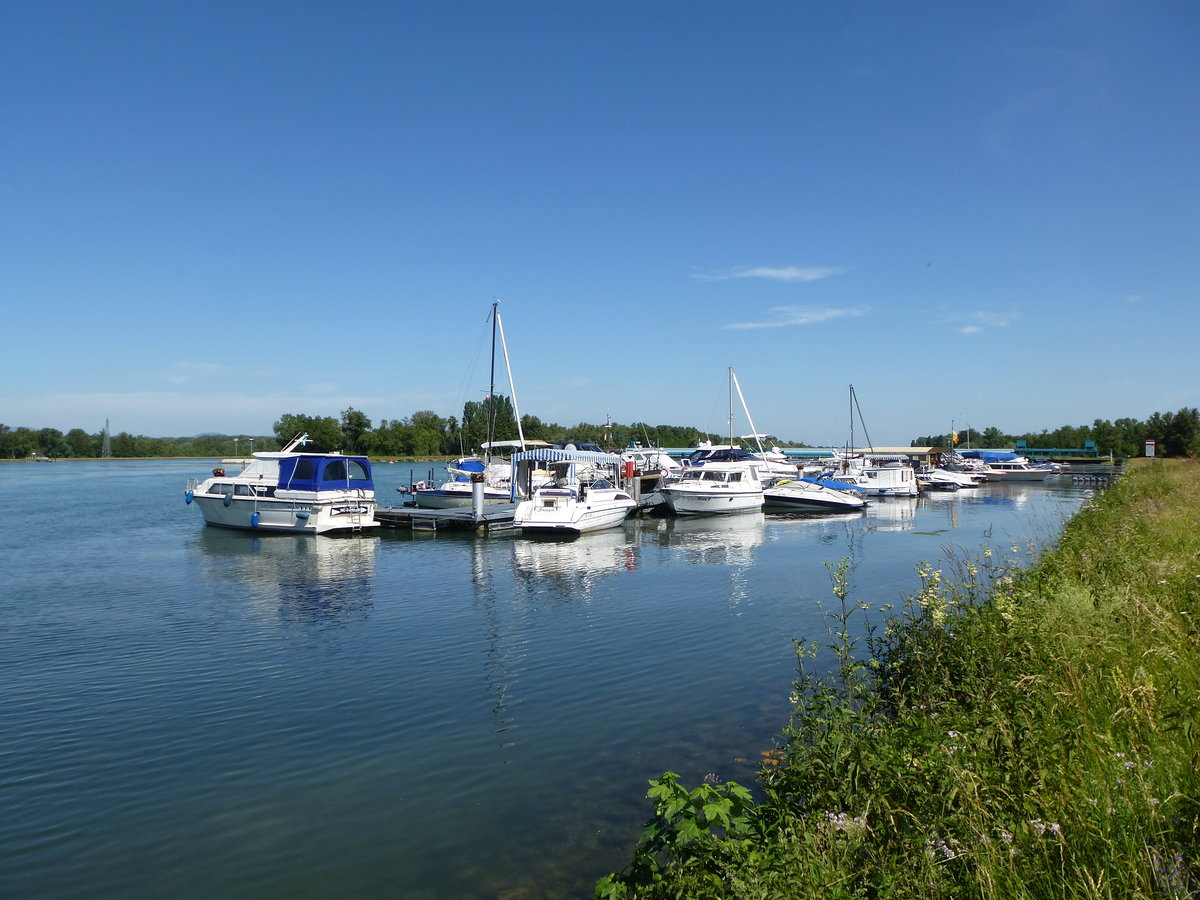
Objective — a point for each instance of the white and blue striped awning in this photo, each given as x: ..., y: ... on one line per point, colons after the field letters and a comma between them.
x: 554, y: 454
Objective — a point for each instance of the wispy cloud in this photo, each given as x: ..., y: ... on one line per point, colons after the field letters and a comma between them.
x: 770, y: 273
x: 975, y: 322
x: 785, y: 316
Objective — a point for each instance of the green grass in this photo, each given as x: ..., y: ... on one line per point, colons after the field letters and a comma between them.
x: 1003, y: 734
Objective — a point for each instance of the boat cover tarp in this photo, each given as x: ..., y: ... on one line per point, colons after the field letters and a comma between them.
x: 989, y: 456
x: 553, y: 454
x: 325, y: 473
x: 836, y: 485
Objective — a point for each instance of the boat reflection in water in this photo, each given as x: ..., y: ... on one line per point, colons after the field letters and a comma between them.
x: 892, y: 514
x: 829, y: 527
x: 716, y: 540
x: 294, y: 576
x: 577, y: 561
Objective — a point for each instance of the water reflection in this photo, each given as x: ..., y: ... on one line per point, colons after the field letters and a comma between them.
x: 891, y: 513
x: 294, y: 576
x: 828, y: 528
x: 715, y: 540
x: 578, y: 560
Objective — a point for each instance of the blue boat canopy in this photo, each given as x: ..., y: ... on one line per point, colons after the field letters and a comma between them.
x: 553, y: 454
x: 315, y: 472
x: 724, y: 454
x: 988, y: 456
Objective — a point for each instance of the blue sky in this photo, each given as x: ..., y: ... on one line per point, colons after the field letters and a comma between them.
x: 215, y: 213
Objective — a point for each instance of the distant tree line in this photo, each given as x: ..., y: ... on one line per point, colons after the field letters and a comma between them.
x: 425, y: 434
x: 1174, y: 434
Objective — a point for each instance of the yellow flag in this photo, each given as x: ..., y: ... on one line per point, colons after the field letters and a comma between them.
x: 954, y: 437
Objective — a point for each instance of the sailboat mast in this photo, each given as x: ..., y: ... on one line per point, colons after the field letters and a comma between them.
x: 746, y: 409
x: 512, y: 388
x: 491, y: 420
x: 731, y: 406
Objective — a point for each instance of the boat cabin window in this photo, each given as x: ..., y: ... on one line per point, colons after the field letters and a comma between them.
x: 344, y: 470
x: 221, y: 488
x: 304, y: 469
x: 713, y: 476
x: 735, y: 476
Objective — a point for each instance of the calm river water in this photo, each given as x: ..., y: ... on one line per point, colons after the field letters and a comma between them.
x: 190, y: 712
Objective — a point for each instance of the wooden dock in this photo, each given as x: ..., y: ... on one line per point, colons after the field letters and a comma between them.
x: 495, y: 517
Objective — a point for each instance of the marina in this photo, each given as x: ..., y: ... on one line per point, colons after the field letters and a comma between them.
x: 196, y: 711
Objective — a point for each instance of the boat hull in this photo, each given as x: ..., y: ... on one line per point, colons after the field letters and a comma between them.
x: 564, y: 512
x: 810, y: 499
x: 443, y: 499
x: 318, y: 516
x: 1003, y: 475
x: 684, y: 502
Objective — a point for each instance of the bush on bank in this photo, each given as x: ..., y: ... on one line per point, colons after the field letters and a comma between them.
x: 1007, y: 733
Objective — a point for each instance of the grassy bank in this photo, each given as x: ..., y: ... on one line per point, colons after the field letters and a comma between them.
x: 1004, y: 734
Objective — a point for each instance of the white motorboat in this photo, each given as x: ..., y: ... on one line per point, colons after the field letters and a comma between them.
x: 878, y: 476
x: 941, y: 479
x: 809, y: 495
x: 578, y: 497
x: 1002, y: 466
x: 728, y: 481
x: 291, y: 491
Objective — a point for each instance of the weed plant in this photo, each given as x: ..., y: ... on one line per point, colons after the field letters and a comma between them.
x: 1007, y: 732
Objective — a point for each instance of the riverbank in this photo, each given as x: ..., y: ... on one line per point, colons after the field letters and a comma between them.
x: 1006, y: 733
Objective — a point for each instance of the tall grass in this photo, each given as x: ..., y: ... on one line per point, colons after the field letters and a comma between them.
x: 1005, y: 733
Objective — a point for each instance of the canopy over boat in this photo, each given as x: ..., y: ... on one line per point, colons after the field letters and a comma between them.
x: 554, y: 454
x: 989, y: 456
x: 315, y: 472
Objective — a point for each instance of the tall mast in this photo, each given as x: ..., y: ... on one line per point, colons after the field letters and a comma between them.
x: 731, y: 406
x: 491, y: 416
x: 754, y: 431
x: 512, y: 388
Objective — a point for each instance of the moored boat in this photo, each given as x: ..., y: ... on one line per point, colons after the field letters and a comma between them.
x: 809, y: 495
x: 729, y: 481
x: 290, y: 491
x: 582, y: 494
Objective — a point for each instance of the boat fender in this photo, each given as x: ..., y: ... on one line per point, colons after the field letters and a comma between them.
x: 302, y: 515
x: 228, y: 499
x: 187, y: 498
x: 254, y: 520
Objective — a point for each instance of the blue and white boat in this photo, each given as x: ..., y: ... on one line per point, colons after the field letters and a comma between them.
x: 289, y: 491
x: 812, y: 495
x: 582, y: 493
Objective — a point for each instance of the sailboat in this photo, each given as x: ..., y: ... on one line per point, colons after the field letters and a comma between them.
x: 491, y: 468
x: 880, y: 475
x: 720, y: 479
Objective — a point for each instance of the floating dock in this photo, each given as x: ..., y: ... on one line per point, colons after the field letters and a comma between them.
x: 492, y: 516
x: 495, y: 517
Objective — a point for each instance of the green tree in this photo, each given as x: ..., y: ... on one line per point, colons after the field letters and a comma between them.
x: 324, y: 433
x: 355, y: 426
x: 83, y: 445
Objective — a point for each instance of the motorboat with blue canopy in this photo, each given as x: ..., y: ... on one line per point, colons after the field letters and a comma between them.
x: 290, y: 490
x: 577, y: 490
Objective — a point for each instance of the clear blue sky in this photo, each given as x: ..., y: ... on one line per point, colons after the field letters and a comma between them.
x: 215, y: 213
